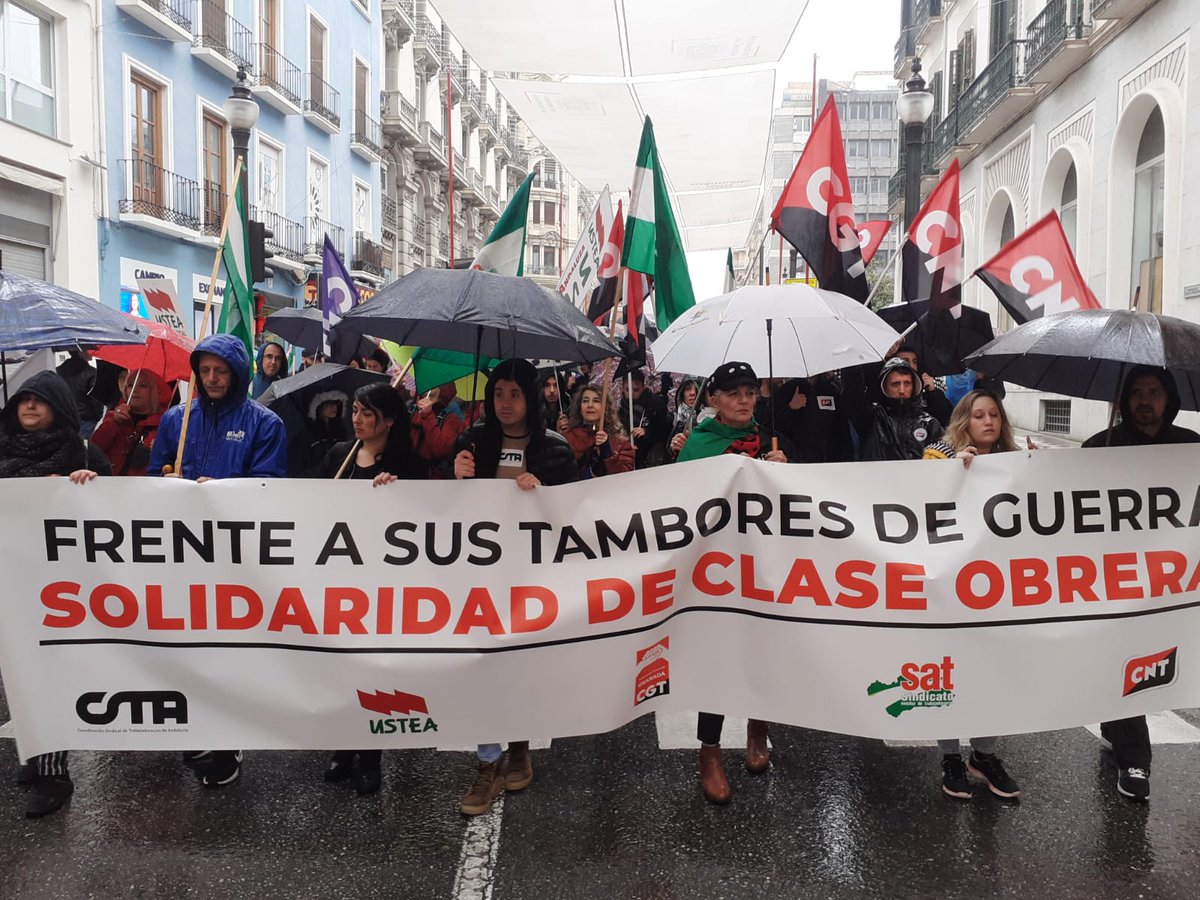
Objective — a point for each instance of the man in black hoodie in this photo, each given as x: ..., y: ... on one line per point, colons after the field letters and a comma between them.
x: 897, y: 427
x: 511, y: 442
x: 1148, y: 406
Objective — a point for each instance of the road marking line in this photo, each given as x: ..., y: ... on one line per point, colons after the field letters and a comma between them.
x: 6, y: 730
x: 677, y: 731
x: 480, y: 850
x: 1165, y: 728
x: 910, y: 743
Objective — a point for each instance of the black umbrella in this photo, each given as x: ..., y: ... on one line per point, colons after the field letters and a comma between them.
x: 1087, y: 353
x: 476, y: 312
x: 306, y: 328
x: 942, y: 340
x: 291, y: 399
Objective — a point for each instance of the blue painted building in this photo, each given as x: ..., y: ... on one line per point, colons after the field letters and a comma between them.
x: 314, y: 157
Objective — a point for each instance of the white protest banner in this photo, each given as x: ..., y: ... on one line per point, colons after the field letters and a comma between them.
x: 581, y: 274
x: 895, y: 600
x: 162, y: 302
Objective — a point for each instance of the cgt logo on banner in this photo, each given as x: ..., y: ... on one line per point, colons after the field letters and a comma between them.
x: 407, y: 705
x: 98, y: 708
x: 1144, y: 673
x: 922, y: 685
x: 654, y: 672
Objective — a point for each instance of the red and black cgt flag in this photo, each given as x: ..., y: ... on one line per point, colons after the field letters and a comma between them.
x: 816, y: 212
x: 933, y: 249
x: 870, y: 237
x: 1035, y: 273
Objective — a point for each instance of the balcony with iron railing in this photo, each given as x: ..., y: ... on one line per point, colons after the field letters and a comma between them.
x: 927, y: 16
x: 896, y: 188
x: 1119, y: 9
x: 472, y: 101
x: 455, y: 73
x: 1004, y: 73
x: 400, y: 119
x: 287, y: 239
x: 427, y: 44
x: 221, y: 40
x: 519, y: 161
x: 1051, y: 33
x: 367, y: 258
x: 277, y: 79
x: 420, y: 231
x: 431, y: 151
x: 171, y: 19
x: 444, y: 243
x: 945, y: 137
x: 400, y: 16
x: 315, y: 229
x: 366, y: 137
x: 906, y: 49
x: 322, y: 106
x: 389, y: 211
x: 152, y: 196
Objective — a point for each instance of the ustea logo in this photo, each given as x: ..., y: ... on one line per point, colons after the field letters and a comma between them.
x: 654, y: 672
x: 99, y: 708
x: 921, y: 685
x: 411, y: 712
x: 1144, y: 673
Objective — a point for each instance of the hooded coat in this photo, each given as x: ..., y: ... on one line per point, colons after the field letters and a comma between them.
x: 1127, y: 434
x: 234, y: 437
x: 57, y: 451
x: 128, y: 444
x: 548, y: 457
x: 897, y: 428
x: 261, y: 382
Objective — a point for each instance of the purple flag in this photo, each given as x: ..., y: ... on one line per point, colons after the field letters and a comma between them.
x: 338, y: 293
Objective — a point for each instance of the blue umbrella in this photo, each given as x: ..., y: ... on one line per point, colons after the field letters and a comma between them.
x: 35, y: 314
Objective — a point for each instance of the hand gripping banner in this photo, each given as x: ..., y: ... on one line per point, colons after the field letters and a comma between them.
x: 899, y: 600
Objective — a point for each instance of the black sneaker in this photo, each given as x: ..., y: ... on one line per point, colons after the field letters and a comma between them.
x: 341, y: 766
x: 991, y: 770
x: 1134, y: 782
x: 223, y: 768
x: 49, y: 794
x: 954, y: 777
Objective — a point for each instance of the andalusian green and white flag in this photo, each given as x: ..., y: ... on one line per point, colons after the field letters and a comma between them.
x: 237, y: 307
x: 730, y: 277
x: 652, y: 244
x: 504, y: 252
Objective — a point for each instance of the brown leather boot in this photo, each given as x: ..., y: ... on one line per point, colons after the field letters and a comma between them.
x: 758, y: 757
x: 518, y: 769
x: 712, y: 775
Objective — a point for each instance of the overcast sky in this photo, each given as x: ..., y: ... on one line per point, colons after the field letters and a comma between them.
x: 847, y: 36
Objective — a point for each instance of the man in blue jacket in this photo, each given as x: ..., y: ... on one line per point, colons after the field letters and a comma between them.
x: 229, y: 436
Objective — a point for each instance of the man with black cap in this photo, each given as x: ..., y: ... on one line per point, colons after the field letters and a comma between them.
x: 1148, y: 405
x: 898, y: 426
x: 733, y: 388
x: 510, y: 442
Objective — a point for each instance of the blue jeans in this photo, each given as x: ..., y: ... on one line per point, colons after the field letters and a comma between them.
x: 489, y: 753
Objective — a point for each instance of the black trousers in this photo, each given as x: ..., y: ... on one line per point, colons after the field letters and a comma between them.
x: 708, y: 728
x: 1130, y: 739
x: 50, y: 764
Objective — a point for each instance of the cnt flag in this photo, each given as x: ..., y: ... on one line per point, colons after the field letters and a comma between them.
x: 1035, y: 273
x: 652, y: 243
x: 338, y: 293
x: 504, y: 252
x: 237, y: 308
x: 870, y: 237
x: 816, y: 213
x: 933, y: 249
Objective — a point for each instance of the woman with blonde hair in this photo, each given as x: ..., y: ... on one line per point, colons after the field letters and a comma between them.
x: 978, y: 426
x: 600, y: 448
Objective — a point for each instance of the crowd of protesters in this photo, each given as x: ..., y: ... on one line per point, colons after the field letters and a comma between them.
x: 537, y: 427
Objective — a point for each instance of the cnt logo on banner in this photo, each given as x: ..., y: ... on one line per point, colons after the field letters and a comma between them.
x: 152, y: 614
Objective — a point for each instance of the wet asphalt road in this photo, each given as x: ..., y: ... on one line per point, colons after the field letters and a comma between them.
x: 614, y: 816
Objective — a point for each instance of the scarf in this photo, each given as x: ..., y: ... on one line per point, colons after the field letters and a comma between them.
x: 712, y: 438
x: 29, y: 454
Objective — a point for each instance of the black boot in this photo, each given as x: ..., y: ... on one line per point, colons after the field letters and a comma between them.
x: 49, y: 794
x: 341, y: 766
x: 26, y: 774
x: 368, y: 778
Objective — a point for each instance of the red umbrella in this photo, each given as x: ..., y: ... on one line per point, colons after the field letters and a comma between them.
x: 166, y: 352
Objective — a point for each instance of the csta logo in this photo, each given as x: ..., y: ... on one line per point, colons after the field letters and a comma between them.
x: 165, y: 706
x: 1144, y: 673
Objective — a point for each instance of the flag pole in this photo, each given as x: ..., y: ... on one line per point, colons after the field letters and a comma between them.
x: 358, y: 443
x: 450, y: 155
x: 612, y: 330
x: 230, y: 206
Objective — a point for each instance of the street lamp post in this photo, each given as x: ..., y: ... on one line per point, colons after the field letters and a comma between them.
x: 241, y: 111
x: 915, y: 105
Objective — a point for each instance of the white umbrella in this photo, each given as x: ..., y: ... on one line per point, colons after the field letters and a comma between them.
x: 790, y: 330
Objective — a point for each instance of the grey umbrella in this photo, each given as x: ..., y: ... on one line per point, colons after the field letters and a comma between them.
x: 477, y: 312
x: 1086, y: 353
x: 305, y: 328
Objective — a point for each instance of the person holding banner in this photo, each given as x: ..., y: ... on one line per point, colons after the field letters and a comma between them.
x: 126, y: 433
x: 383, y: 453
x: 979, y: 425
x: 1148, y: 405
x: 732, y: 388
x: 39, y: 437
x: 229, y: 436
x: 510, y: 442
x: 600, y: 449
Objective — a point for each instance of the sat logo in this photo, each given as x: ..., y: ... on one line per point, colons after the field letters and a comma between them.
x: 1144, y: 673
x: 654, y: 672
